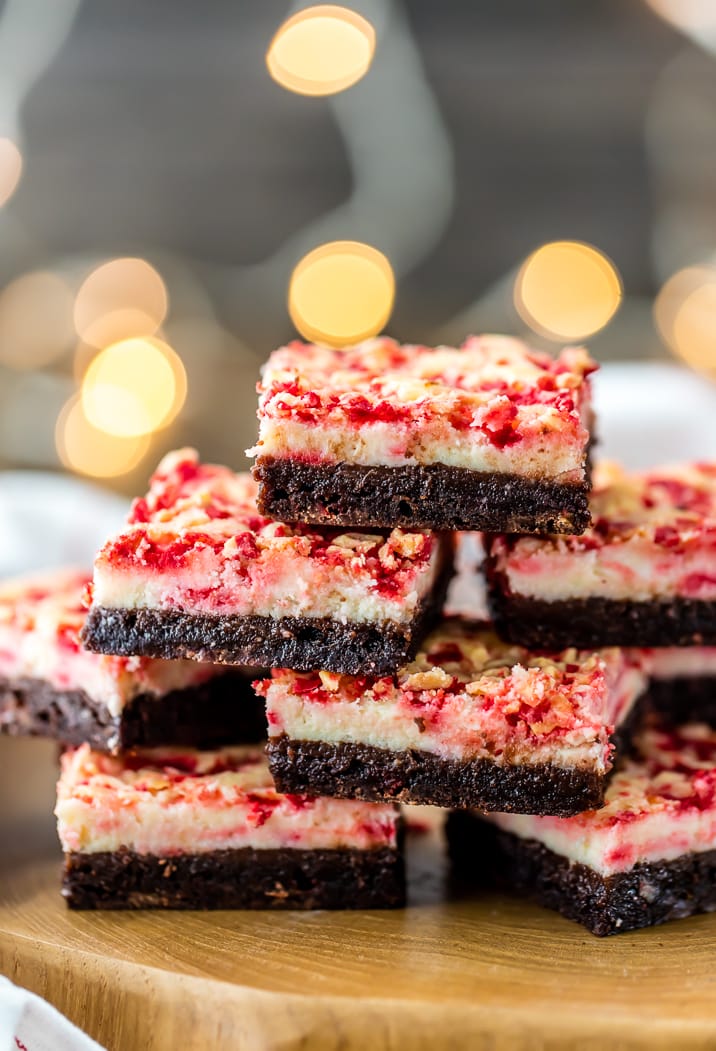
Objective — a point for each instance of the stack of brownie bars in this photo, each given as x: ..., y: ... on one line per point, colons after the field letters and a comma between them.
x: 572, y: 738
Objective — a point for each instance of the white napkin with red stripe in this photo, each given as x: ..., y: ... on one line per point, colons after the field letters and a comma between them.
x: 28, y: 1023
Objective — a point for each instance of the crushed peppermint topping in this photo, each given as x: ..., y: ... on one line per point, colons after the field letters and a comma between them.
x: 673, y: 771
x: 672, y: 507
x: 493, y: 390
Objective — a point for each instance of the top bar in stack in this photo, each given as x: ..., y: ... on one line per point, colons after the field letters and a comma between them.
x: 491, y: 436
x: 197, y: 572
x: 644, y: 574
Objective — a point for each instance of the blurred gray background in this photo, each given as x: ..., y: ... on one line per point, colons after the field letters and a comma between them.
x: 482, y: 131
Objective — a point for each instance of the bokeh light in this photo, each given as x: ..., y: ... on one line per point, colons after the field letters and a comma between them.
x: 341, y: 292
x: 685, y: 315
x: 120, y: 299
x: 690, y: 15
x: 567, y: 290
x: 134, y: 387
x: 35, y: 320
x: 10, y: 169
x: 89, y: 450
x: 321, y: 50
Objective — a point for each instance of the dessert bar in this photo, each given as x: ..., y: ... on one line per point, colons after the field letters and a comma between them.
x: 207, y: 830
x: 471, y: 722
x: 493, y: 435
x: 51, y: 687
x: 649, y: 855
x: 197, y: 572
x: 644, y: 573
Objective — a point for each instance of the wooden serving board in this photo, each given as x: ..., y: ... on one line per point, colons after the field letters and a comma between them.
x: 451, y: 971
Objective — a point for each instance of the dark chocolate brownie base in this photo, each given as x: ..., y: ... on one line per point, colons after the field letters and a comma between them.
x: 685, y: 700
x: 428, y: 497
x: 356, y: 771
x: 237, y: 879
x: 223, y: 710
x: 648, y: 894
x: 301, y: 643
x: 593, y: 622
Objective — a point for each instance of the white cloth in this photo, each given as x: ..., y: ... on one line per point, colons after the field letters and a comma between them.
x: 49, y: 520
x: 28, y: 1023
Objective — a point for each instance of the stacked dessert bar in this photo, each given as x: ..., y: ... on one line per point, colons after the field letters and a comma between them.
x: 567, y: 736
x: 165, y: 798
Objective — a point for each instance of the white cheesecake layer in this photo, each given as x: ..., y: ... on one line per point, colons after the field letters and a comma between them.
x: 284, y: 585
x: 227, y: 801
x: 392, y: 445
x: 461, y: 736
x: 658, y: 808
x: 681, y: 662
x: 636, y: 570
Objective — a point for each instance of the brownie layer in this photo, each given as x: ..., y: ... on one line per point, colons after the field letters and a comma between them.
x: 237, y: 879
x: 357, y: 771
x: 432, y: 496
x: 301, y: 643
x: 222, y: 710
x: 593, y: 622
x: 685, y: 700
x: 647, y: 894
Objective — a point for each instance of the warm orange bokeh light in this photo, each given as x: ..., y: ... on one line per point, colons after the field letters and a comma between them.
x: 685, y: 315
x: 341, y: 293
x: 134, y: 387
x: 321, y: 50
x: 687, y: 14
x: 120, y: 299
x: 88, y: 450
x: 35, y: 320
x: 10, y: 169
x: 567, y: 290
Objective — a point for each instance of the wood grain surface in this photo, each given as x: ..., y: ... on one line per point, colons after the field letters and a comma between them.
x: 453, y: 970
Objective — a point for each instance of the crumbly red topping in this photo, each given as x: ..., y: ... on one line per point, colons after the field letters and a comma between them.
x: 194, y: 781
x: 529, y: 694
x: 53, y: 600
x: 673, y: 508
x: 673, y: 772
x: 497, y: 389
x: 219, y: 778
x: 192, y: 508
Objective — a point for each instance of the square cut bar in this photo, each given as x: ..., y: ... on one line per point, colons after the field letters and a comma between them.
x: 197, y: 572
x: 208, y: 830
x: 51, y: 687
x: 471, y: 722
x: 493, y: 435
x: 682, y: 682
x: 644, y: 573
x: 648, y: 856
